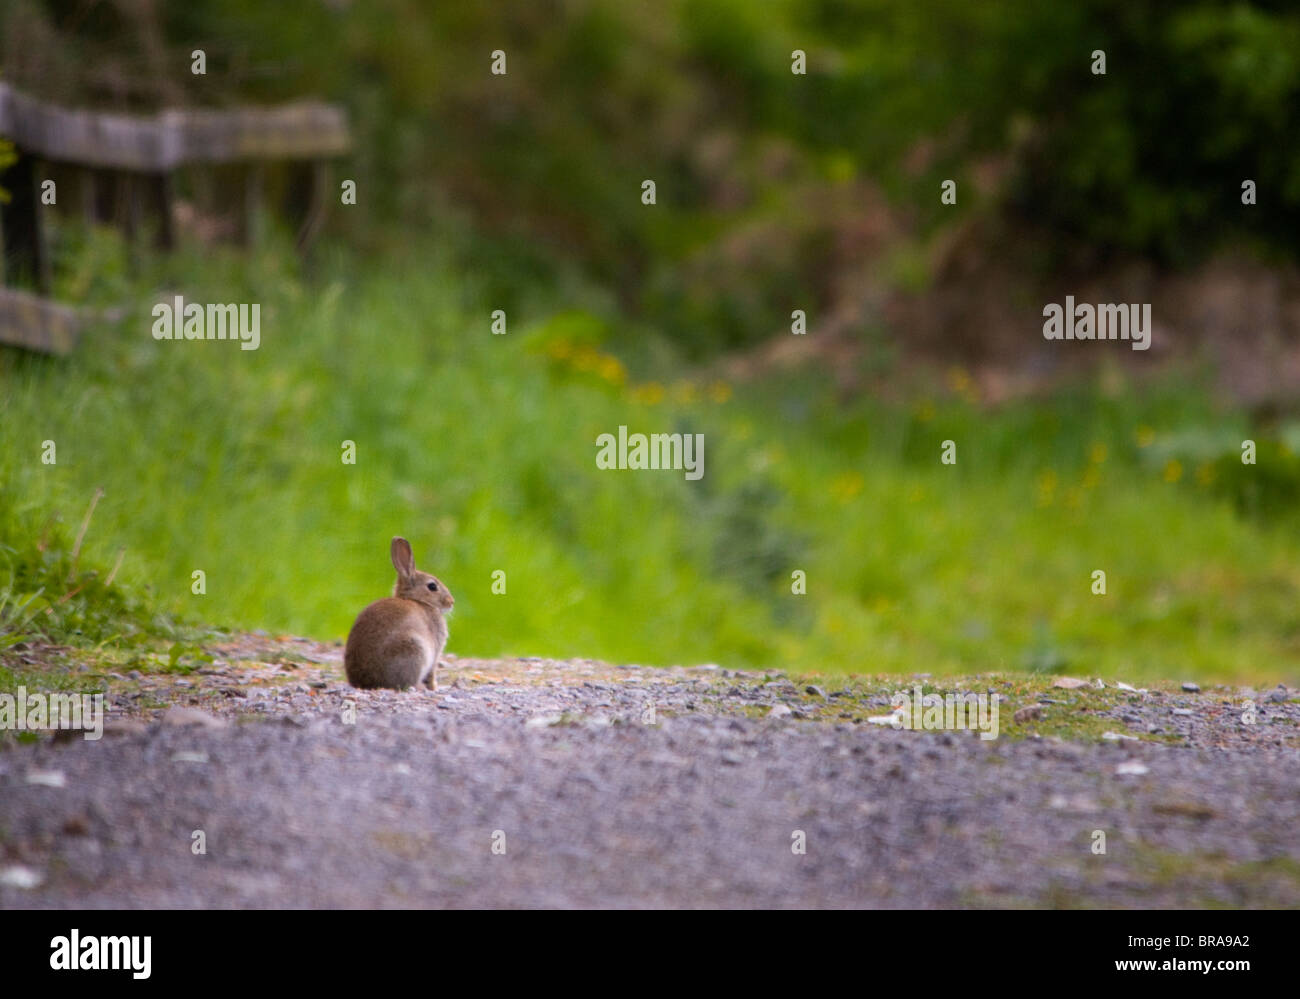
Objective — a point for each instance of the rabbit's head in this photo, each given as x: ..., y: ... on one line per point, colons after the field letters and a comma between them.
x: 412, y: 584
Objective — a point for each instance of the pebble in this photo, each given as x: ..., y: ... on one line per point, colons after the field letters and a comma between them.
x: 779, y: 711
x: 894, y: 719
x: 1191, y: 688
x: 47, y: 778
x: 1077, y: 803
x: 18, y: 876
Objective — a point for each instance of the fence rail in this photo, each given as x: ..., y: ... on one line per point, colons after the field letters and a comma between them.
x: 28, y: 320
x: 162, y: 142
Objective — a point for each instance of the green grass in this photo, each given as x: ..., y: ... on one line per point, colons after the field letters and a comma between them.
x: 481, y: 450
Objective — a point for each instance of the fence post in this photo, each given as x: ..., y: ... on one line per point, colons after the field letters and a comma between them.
x: 160, y: 192
x: 26, y: 256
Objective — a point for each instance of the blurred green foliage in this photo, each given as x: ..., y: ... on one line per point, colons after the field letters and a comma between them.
x: 47, y: 590
x: 757, y: 169
x: 1262, y: 482
x: 481, y: 450
x: 522, y: 193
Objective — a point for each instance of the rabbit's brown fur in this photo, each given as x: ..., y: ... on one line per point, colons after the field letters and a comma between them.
x: 397, y: 642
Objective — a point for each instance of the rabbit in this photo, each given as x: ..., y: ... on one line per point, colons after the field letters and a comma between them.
x: 397, y: 642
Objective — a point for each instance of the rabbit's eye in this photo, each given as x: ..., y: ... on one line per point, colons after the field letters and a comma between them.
x: 433, y: 586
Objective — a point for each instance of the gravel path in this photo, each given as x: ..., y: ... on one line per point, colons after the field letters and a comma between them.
x: 545, y: 783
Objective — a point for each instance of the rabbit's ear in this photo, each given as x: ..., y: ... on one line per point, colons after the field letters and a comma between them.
x: 403, y: 559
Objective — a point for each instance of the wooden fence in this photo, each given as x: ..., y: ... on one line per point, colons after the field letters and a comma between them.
x: 129, y: 160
